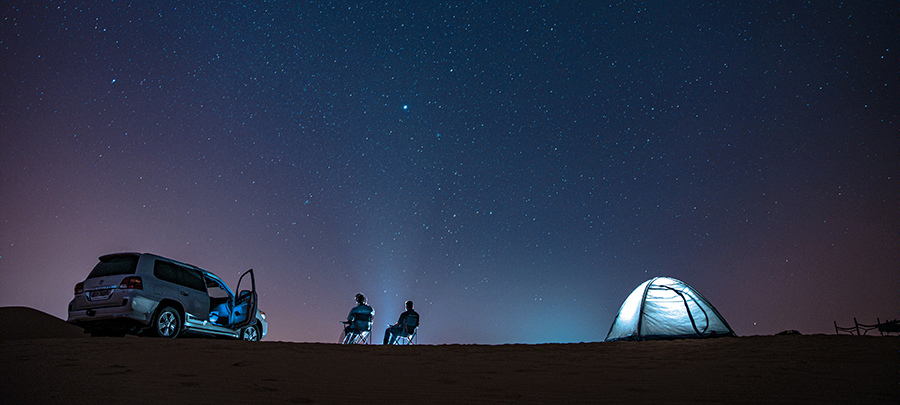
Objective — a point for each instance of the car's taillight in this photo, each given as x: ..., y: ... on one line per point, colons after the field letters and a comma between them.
x: 79, y: 288
x: 133, y: 282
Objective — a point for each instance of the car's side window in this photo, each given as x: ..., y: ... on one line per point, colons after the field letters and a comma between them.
x: 193, y: 279
x: 166, y: 271
x: 183, y: 276
x: 215, y: 289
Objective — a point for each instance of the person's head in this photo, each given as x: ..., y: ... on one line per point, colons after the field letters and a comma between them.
x: 409, y: 305
x: 360, y: 299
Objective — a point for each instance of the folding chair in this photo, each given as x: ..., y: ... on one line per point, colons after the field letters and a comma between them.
x: 409, y: 339
x: 410, y: 330
x: 362, y: 331
x: 357, y: 338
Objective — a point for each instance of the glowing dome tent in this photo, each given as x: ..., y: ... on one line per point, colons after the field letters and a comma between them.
x: 666, y: 308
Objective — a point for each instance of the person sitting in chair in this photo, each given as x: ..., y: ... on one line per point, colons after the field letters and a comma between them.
x: 405, y: 326
x: 360, y: 318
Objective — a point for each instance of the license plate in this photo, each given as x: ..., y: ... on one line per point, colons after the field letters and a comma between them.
x: 100, y: 294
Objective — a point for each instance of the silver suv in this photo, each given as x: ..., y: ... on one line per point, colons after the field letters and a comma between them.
x: 144, y: 293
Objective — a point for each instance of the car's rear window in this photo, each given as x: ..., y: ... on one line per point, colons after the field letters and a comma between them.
x: 113, y: 265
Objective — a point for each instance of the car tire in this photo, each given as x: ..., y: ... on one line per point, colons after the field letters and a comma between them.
x: 250, y: 333
x: 167, y: 323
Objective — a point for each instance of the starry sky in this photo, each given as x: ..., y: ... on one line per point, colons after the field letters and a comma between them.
x: 514, y: 168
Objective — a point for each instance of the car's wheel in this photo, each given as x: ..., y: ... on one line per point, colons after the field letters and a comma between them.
x: 251, y: 333
x: 167, y: 323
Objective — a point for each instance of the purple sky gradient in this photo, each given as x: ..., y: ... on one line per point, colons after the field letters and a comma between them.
x: 516, y: 170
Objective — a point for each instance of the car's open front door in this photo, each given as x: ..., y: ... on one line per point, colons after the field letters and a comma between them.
x: 245, y: 303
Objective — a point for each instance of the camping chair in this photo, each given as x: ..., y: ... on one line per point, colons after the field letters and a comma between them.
x: 408, y: 333
x: 360, y: 332
x: 861, y: 329
x: 357, y: 338
x: 408, y: 338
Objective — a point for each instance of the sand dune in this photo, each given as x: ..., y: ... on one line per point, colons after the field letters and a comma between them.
x: 28, y: 323
x: 759, y: 369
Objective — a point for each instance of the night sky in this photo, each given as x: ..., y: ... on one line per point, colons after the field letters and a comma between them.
x: 514, y: 169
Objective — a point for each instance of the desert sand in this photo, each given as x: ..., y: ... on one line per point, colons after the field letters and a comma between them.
x: 43, y: 360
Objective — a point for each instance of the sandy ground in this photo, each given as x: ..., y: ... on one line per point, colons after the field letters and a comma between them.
x: 51, y: 362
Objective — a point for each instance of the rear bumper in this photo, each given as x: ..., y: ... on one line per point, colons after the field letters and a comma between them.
x: 130, y: 311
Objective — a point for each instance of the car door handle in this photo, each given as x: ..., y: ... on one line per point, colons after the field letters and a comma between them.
x: 184, y: 293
